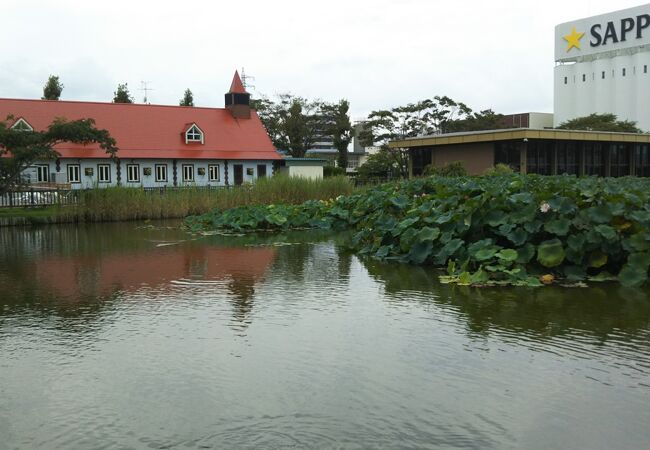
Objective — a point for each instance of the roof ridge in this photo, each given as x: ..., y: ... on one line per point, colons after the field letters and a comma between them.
x: 107, y: 103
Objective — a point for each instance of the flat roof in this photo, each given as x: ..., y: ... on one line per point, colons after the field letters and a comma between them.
x: 517, y: 134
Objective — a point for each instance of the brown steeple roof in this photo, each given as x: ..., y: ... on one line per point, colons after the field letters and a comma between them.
x: 237, y: 87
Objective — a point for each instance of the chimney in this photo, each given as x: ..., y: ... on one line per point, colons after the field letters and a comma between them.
x: 238, y: 100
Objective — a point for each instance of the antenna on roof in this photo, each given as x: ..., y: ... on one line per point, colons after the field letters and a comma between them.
x: 146, y: 90
x: 245, y: 78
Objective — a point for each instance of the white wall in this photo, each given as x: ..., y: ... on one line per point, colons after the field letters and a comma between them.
x: 313, y: 172
x: 91, y: 181
x: 626, y: 96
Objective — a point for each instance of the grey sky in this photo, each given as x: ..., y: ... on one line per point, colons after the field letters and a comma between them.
x: 378, y: 54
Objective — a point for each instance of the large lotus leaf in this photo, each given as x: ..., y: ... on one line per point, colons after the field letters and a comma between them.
x: 428, y: 234
x: 609, y: 233
x: 632, y: 275
x: 448, y: 250
x: 642, y: 217
x: 518, y: 236
x: 525, y: 253
x: 496, y: 217
x: 563, y: 205
x: 550, y: 253
x: 559, y: 227
x: 638, y: 242
x: 575, y: 273
x: 533, y: 226
x: 420, y: 252
x: 597, y: 259
x: 407, y: 239
x: 599, y: 213
x: 524, y: 214
x: 383, y: 251
x: 482, y: 250
x: 401, y: 202
x: 576, y: 241
x: 508, y: 254
x: 506, y: 228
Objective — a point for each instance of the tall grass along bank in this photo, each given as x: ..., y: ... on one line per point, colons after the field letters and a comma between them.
x: 120, y: 203
x: 507, y: 229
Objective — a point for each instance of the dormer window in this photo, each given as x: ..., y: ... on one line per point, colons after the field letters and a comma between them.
x: 22, y: 125
x: 193, y: 134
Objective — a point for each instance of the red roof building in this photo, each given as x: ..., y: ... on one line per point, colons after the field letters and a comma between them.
x: 158, y: 145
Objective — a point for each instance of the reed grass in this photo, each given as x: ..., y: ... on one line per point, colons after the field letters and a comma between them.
x: 119, y: 203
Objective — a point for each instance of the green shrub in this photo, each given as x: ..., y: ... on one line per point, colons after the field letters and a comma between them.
x: 499, y: 169
x: 452, y: 169
x: 331, y: 171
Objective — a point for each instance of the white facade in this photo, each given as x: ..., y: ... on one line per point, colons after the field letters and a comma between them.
x: 148, y: 173
x: 604, y: 67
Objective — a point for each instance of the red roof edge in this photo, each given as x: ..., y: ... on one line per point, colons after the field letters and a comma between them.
x: 237, y: 87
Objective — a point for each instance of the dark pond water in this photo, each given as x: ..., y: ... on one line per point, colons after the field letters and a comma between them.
x: 114, y: 336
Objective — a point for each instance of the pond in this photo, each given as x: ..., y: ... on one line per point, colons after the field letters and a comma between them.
x: 138, y: 336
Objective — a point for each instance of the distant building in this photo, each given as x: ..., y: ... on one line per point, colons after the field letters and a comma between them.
x: 603, y: 66
x: 158, y: 145
x: 528, y: 120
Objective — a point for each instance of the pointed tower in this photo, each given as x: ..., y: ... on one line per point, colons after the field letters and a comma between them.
x: 238, y: 100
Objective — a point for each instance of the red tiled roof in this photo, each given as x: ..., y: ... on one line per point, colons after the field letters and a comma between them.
x: 237, y: 87
x: 152, y: 131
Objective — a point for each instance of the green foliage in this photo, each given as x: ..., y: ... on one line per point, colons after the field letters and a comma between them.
x: 380, y: 165
x: 511, y: 229
x: 188, y: 99
x: 19, y: 149
x: 295, y: 124
x: 338, y: 125
x: 476, y: 121
x: 120, y: 203
x: 52, y: 89
x: 499, y: 169
x: 600, y: 122
x: 122, y: 95
x: 453, y: 169
x: 331, y: 171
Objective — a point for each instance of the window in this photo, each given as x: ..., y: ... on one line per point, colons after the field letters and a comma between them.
x: 619, y: 160
x: 104, y: 173
x: 568, y: 158
x: 623, y: 71
x: 539, y: 157
x: 73, y: 173
x: 161, y: 172
x: 132, y: 173
x: 213, y: 172
x: 42, y: 174
x: 602, y: 75
x: 645, y: 68
x: 194, y: 134
x: 188, y: 172
x: 261, y: 170
x: 642, y: 164
x: 584, y: 77
x: 22, y: 125
x: 508, y: 153
x: 594, y: 159
x: 566, y: 80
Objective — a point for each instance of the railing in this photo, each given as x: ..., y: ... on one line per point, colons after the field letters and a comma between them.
x: 41, y: 197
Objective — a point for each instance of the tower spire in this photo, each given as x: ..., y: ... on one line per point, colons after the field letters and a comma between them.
x: 238, y: 100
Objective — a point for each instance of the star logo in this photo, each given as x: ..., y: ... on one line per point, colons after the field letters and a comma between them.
x: 573, y: 39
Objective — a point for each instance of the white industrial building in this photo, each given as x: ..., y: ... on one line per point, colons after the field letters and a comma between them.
x: 602, y: 66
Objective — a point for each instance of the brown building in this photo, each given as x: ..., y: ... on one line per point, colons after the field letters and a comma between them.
x: 546, y: 152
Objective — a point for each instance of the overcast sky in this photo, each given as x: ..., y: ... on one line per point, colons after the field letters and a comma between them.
x: 377, y: 54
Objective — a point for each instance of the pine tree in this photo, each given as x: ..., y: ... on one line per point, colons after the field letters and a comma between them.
x: 122, y: 94
x: 52, y: 89
x: 188, y: 99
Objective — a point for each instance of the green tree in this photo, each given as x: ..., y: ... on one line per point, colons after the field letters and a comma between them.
x: 477, y: 121
x: 337, y: 123
x: 600, y: 122
x: 52, y: 89
x: 293, y: 123
x: 188, y: 99
x: 431, y: 116
x: 122, y: 94
x: 19, y: 149
x: 380, y: 165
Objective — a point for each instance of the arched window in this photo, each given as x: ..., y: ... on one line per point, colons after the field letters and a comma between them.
x: 194, y: 134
